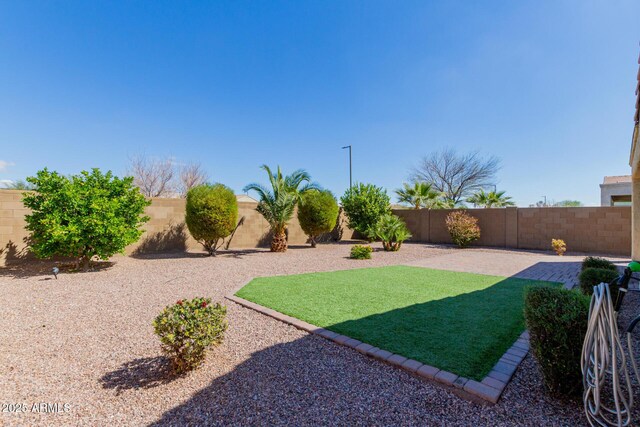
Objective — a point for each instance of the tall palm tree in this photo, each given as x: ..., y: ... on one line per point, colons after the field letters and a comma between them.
x: 278, y: 203
x: 420, y: 195
x: 491, y: 199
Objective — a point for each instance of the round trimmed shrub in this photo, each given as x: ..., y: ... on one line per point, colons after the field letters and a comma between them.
x: 463, y: 228
x: 317, y: 213
x: 598, y: 262
x: 361, y: 252
x: 591, y: 277
x: 211, y: 214
x: 364, y: 205
x: 557, y: 323
x: 188, y: 329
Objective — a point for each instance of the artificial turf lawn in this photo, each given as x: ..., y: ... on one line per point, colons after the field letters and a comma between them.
x: 459, y: 322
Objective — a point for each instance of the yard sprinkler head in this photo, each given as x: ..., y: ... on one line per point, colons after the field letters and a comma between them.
x: 56, y: 270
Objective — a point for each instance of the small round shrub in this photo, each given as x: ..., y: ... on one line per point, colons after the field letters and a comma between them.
x: 559, y: 246
x: 598, y: 262
x: 211, y: 214
x: 591, y: 277
x: 317, y: 213
x: 188, y: 328
x: 463, y: 228
x: 364, y: 205
x: 557, y: 323
x: 392, y: 231
x: 361, y: 252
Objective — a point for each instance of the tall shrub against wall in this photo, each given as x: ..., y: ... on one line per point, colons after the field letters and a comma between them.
x: 364, y: 205
x: 211, y: 214
x: 83, y: 216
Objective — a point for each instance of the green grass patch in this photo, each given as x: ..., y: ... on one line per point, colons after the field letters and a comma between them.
x: 459, y: 322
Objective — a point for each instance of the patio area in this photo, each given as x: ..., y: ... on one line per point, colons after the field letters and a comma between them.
x: 87, y: 339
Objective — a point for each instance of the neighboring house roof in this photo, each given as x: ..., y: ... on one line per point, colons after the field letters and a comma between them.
x: 245, y: 198
x: 616, y: 179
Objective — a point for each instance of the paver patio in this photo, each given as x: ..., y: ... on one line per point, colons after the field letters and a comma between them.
x: 87, y: 340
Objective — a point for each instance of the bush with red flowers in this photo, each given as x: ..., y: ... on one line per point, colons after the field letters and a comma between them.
x: 188, y: 328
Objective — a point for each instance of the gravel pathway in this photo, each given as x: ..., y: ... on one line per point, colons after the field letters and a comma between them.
x: 86, y: 340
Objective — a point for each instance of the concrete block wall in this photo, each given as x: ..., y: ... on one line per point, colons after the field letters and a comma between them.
x: 165, y: 230
x: 605, y: 230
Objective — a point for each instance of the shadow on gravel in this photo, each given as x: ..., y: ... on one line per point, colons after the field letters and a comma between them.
x: 146, y: 372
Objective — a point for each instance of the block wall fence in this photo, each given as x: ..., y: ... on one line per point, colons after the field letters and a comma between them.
x: 601, y: 230
x: 598, y: 230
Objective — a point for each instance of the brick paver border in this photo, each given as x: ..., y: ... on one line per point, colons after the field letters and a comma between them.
x: 488, y: 390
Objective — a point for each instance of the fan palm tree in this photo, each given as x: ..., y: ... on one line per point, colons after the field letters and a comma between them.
x: 278, y: 203
x: 420, y: 195
x: 491, y: 199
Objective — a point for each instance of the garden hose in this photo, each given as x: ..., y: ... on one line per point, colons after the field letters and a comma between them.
x: 604, y: 365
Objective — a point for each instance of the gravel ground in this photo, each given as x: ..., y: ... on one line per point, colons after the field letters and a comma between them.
x: 87, y: 340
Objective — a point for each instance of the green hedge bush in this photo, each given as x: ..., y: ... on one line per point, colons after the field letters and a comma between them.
x: 364, y: 205
x: 598, y: 262
x: 317, y: 213
x: 361, y: 252
x: 83, y: 216
x: 591, y: 277
x: 557, y: 323
x: 211, y: 214
x: 188, y: 328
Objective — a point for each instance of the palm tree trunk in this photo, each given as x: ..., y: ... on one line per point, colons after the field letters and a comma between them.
x: 279, y: 241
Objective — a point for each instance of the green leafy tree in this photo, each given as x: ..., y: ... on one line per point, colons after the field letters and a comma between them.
x: 83, y: 216
x: 317, y: 213
x: 420, y: 195
x: 491, y: 199
x: 392, y: 231
x: 364, y: 205
x: 211, y: 214
x: 277, y: 204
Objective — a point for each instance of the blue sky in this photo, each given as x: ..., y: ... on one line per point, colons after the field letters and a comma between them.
x: 548, y: 86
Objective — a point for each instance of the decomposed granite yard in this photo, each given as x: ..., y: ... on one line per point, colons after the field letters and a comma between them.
x: 86, y: 340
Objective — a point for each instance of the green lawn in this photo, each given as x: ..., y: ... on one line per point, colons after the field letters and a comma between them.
x: 459, y: 322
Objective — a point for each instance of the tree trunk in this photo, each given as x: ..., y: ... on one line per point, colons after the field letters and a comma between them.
x: 85, y: 262
x: 312, y: 240
x: 279, y: 242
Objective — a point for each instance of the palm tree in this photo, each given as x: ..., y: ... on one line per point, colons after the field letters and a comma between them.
x: 491, y: 199
x: 278, y: 203
x: 421, y: 195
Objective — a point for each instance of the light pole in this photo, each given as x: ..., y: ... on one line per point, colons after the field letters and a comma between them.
x: 350, y: 170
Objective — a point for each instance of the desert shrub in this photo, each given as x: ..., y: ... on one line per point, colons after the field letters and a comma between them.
x: 598, y: 262
x: 361, y: 252
x: 559, y: 246
x: 364, y: 205
x: 557, y: 323
x: 83, y: 216
x: 188, y: 328
x: 463, y: 228
x: 590, y: 277
x: 317, y: 213
x: 211, y: 214
x: 392, y: 231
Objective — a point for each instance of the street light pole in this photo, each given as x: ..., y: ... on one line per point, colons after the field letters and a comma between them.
x: 350, y: 169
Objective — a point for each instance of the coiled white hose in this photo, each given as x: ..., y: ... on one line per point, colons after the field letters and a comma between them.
x: 604, y: 365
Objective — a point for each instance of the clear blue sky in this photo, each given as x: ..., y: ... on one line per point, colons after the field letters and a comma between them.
x: 548, y: 86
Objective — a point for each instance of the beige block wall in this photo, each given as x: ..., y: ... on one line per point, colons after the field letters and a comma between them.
x: 165, y: 230
x: 604, y: 230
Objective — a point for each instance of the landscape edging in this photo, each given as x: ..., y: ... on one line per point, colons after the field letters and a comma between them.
x: 488, y: 390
